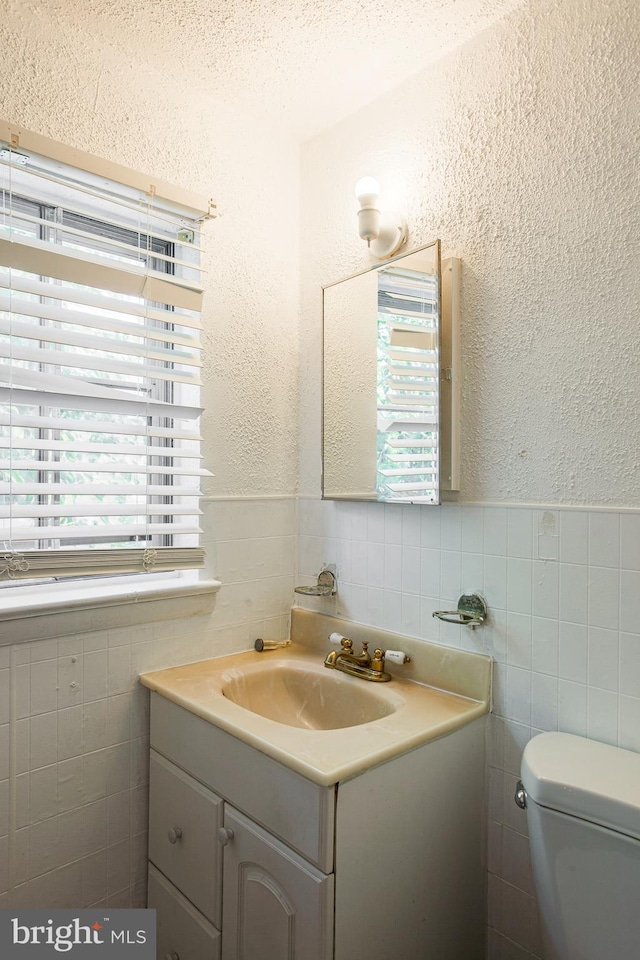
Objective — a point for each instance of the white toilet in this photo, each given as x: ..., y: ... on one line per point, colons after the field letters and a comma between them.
x: 583, y: 811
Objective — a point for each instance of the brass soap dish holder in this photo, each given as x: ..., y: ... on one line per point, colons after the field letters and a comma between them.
x: 327, y: 585
x: 472, y: 611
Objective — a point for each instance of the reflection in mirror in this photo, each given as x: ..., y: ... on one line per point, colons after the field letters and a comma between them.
x: 381, y: 436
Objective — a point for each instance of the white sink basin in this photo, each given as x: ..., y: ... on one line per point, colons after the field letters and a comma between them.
x: 297, y: 696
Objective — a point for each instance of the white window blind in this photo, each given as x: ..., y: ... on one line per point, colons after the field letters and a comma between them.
x: 100, y: 297
x: 408, y: 395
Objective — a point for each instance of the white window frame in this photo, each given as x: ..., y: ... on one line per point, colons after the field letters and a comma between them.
x: 29, y: 600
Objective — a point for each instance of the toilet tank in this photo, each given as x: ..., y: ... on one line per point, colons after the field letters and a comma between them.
x: 583, y: 814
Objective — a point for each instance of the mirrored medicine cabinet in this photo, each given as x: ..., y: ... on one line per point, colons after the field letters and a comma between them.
x: 391, y: 381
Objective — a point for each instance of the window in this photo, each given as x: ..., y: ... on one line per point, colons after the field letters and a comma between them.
x: 100, y: 464
x: 407, y: 370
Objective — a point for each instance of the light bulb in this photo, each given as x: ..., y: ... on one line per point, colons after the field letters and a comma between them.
x: 384, y: 232
x: 367, y: 191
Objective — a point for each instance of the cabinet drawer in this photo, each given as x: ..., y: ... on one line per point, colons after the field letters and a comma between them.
x: 184, y: 818
x: 181, y: 930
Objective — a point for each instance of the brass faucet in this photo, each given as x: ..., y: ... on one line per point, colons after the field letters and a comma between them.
x: 358, y: 665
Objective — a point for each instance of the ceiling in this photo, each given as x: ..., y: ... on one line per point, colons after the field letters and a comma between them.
x: 305, y: 63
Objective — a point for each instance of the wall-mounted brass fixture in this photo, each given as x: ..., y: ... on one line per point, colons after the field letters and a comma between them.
x: 472, y: 611
x: 327, y: 585
x: 261, y: 645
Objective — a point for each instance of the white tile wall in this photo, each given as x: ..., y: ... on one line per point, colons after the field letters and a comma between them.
x: 74, y: 720
x: 562, y: 587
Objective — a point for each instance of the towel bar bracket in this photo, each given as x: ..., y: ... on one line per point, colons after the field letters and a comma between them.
x: 471, y: 612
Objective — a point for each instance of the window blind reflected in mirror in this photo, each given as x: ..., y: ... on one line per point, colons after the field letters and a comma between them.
x: 383, y: 382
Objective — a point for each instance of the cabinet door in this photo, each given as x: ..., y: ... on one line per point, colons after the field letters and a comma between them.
x: 275, y: 905
x: 184, y: 818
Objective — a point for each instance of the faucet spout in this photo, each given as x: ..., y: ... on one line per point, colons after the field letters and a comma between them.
x: 330, y: 659
x: 357, y: 665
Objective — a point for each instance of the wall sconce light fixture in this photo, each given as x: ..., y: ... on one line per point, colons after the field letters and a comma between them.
x: 385, y: 231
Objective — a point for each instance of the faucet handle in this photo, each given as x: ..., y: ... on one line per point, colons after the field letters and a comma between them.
x: 397, y: 656
x: 377, y: 663
x: 344, y: 642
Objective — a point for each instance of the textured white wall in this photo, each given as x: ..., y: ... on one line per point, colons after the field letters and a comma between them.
x: 305, y: 63
x: 62, y: 83
x: 520, y: 152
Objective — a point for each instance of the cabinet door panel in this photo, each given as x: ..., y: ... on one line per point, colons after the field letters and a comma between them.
x: 181, y: 930
x: 276, y: 906
x: 184, y: 818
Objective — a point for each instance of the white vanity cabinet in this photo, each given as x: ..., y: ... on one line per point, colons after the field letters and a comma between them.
x: 249, y: 860
x: 212, y: 868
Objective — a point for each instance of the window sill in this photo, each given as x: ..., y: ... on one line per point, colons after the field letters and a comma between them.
x: 79, y: 608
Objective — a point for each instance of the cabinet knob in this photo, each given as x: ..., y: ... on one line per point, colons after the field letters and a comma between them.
x: 174, y: 835
x: 225, y: 834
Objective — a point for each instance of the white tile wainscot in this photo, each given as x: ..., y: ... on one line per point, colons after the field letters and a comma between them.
x: 74, y: 726
x: 562, y: 585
